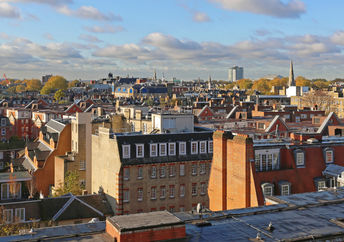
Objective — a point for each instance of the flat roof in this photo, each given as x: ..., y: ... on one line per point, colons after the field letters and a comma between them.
x: 144, y: 220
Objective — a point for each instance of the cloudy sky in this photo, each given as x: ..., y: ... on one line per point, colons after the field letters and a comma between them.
x: 181, y: 38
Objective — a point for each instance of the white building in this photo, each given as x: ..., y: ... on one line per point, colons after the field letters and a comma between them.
x: 235, y: 73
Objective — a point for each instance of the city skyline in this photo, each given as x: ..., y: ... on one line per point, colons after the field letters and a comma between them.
x: 180, y: 38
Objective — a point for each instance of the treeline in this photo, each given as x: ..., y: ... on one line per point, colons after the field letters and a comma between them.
x: 264, y: 85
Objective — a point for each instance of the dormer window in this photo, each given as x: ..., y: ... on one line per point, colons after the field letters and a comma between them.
x: 300, y: 158
x: 172, y: 149
x: 139, y: 150
x: 268, y: 189
x: 153, y: 150
x: 126, y: 151
x: 194, y: 147
x: 284, y: 187
x: 329, y: 157
x: 203, y: 147
x: 163, y: 149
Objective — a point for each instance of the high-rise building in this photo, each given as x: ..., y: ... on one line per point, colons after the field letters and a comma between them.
x: 45, y: 78
x: 235, y: 73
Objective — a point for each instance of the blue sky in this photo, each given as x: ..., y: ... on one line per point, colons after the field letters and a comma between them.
x: 181, y: 38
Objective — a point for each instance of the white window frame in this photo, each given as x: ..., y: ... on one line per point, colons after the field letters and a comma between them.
x: 202, y: 168
x: 172, y: 191
x: 284, y: 193
x: 140, y: 172
x: 203, y: 147
x: 182, y: 148
x: 153, y: 153
x: 140, y: 194
x: 332, y: 156
x: 194, y: 189
x: 82, y: 165
x: 163, y: 168
x: 3, y: 122
x: 162, y: 192
x: 300, y: 158
x: 182, y: 170
x: 7, y: 219
x: 126, y: 151
x: 173, y: 150
x: 194, y: 152
x: 203, y: 188
x: 268, y: 186
x: 126, y: 196
x: 210, y: 146
x: 126, y: 173
x: 194, y: 169
x: 182, y: 190
x: 160, y: 150
x: 17, y: 218
x: 3, y: 131
x: 321, y: 187
x: 153, y: 193
x: 153, y: 172
x: 172, y: 170
x: 138, y: 147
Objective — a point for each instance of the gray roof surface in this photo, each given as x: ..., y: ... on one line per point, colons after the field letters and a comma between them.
x: 15, y: 176
x: 144, y: 220
x: 54, y: 126
x: 333, y: 170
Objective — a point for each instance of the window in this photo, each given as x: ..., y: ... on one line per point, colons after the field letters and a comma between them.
x: 285, y: 190
x: 82, y: 165
x: 172, y: 191
x: 153, y: 193
x: 171, y: 209
x: 181, y: 208
x: 267, y: 189
x: 19, y: 215
x: 3, y: 122
x: 194, y: 189
x: 257, y: 162
x: 153, y: 150
x: 321, y: 185
x: 182, y: 190
x: 210, y: 146
x: 300, y: 158
x: 329, y: 156
x: 153, y: 173
x: 269, y: 168
x: 162, y: 171
x: 182, y: 148
x: 182, y: 170
x: 140, y: 150
x: 140, y: 172
x: 139, y: 194
x: 263, y: 168
x: 126, y: 151
x: 10, y: 191
x: 194, y: 169
x: 172, y: 149
x: 203, y: 188
x: 3, y: 132
x: 144, y: 128
x: 172, y: 170
x: 194, y: 147
x: 126, y: 196
x: 8, y: 216
x: 126, y: 173
x: 1, y: 155
x: 202, y: 168
x: 203, y: 147
x: 162, y: 149
x: 261, y: 126
x: 162, y: 192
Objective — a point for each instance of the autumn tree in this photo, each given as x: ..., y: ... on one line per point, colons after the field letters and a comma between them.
x: 302, y: 82
x: 279, y: 82
x: 73, y: 83
x: 320, y: 84
x: 33, y: 85
x: 20, y: 88
x: 261, y: 85
x: 244, y: 83
x: 71, y: 185
x: 54, y: 82
x: 59, y: 94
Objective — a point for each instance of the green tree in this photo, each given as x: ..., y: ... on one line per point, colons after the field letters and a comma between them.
x: 33, y: 85
x: 71, y: 185
x: 302, y: 82
x: 320, y: 84
x: 20, y: 88
x: 55, y: 82
x: 12, y: 90
x: 59, y: 94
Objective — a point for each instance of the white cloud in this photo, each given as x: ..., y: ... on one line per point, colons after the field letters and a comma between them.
x: 200, y: 17
x: 90, y: 38
x: 8, y: 11
x: 88, y: 12
x: 338, y: 37
x: 49, y: 2
x: 104, y: 29
x: 274, y: 8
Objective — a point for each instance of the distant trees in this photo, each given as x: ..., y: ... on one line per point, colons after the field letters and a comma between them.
x: 74, y: 83
x: 244, y: 83
x: 59, y: 94
x: 262, y: 85
x: 55, y: 82
x: 302, y: 82
x: 319, y: 99
x: 33, y: 85
x: 71, y: 185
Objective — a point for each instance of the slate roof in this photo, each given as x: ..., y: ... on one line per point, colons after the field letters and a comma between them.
x: 138, y: 138
x: 15, y: 176
x: 55, y: 125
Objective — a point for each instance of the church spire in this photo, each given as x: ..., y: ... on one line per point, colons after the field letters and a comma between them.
x: 291, y: 75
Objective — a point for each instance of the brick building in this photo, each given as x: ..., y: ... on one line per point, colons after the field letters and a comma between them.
x: 143, y: 173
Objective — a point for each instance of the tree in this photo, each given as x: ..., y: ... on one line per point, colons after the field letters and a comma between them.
x: 59, y: 94
x: 229, y: 85
x: 244, y: 83
x: 54, y: 82
x: 73, y: 83
x: 320, y: 84
x: 302, y: 82
x: 319, y: 99
x: 20, y: 88
x: 279, y: 82
x: 261, y: 85
x: 33, y: 85
x: 71, y: 185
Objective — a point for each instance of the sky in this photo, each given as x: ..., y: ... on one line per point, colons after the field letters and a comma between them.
x: 186, y: 39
